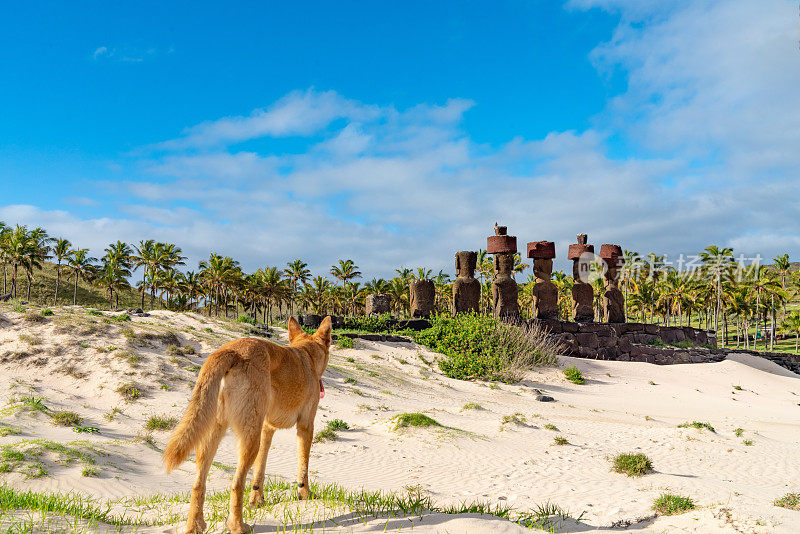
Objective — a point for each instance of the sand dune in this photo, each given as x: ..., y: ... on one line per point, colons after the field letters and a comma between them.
x: 74, y: 361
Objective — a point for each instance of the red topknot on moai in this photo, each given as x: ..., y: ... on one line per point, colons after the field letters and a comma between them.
x: 545, y: 293
x: 613, y: 300
x: 504, y: 288
x: 582, y: 255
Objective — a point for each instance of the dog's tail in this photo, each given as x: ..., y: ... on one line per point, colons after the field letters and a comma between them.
x: 202, y: 410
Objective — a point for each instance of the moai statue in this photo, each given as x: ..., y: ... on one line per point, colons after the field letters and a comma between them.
x: 423, y: 297
x: 466, y: 289
x: 504, y: 288
x: 613, y: 300
x: 378, y: 304
x: 545, y: 292
x: 582, y: 292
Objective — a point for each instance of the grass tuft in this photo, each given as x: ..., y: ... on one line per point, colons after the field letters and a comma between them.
x: 698, y: 425
x: 472, y: 406
x: 160, y: 422
x: 671, y: 504
x: 560, y: 440
x: 67, y: 418
x: 415, y: 419
x: 574, y: 375
x: 790, y: 501
x: 633, y: 465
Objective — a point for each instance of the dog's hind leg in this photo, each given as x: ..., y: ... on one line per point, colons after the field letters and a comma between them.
x: 247, y: 433
x: 305, y: 433
x: 205, y: 455
x: 257, y: 493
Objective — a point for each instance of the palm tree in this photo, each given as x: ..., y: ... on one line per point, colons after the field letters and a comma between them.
x: 5, y: 231
x: 782, y: 266
x: 792, y: 323
x: 17, y: 246
x: 271, y: 286
x: 82, y: 268
x: 62, y: 249
x: 38, y: 252
x: 317, y: 293
x: 717, y: 261
x: 345, y: 271
x: 297, y: 272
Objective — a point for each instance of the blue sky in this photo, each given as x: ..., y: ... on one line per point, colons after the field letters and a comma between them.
x: 398, y: 134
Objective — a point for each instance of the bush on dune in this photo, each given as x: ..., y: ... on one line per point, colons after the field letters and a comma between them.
x: 475, y: 346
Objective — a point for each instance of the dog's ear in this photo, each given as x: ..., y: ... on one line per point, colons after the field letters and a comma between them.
x: 294, y: 329
x: 324, y: 331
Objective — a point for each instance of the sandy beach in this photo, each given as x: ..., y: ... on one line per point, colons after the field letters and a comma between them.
x: 496, y: 443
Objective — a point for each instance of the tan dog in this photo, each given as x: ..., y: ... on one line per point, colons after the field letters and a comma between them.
x: 256, y: 387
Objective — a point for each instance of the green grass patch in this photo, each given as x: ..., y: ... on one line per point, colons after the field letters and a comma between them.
x: 67, y: 418
x: 790, y: 501
x: 345, y: 342
x: 338, y: 424
x: 574, y: 375
x: 514, y: 418
x: 129, y: 391
x: 161, y: 422
x: 560, y: 440
x: 550, y: 426
x: 90, y: 472
x: 326, y: 434
x: 472, y: 406
x: 671, y: 504
x: 633, y: 465
x: 748, y: 442
x: 698, y: 425
x: 738, y: 432
x: 414, y: 419
x: 47, y: 312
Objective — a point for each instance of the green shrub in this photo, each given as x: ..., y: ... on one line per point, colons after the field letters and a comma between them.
x: 698, y: 425
x: 739, y: 432
x: 472, y: 406
x: 633, y: 465
x: 338, y: 424
x: 476, y: 346
x: 94, y: 312
x: 670, y: 504
x: 160, y: 422
x: 405, y: 420
x: 369, y: 323
x: 790, y: 501
x: 67, y: 418
x: 345, y: 342
x: 326, y: 434
x: 122, y: 318
x: 560, y: 440
x: 748, y: 442
x: 574, y: 375
x: 551, y: 426
x: 47, y: 312
x: 246, y: 319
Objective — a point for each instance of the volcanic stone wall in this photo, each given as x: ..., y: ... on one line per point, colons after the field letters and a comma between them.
x: 634, y: 342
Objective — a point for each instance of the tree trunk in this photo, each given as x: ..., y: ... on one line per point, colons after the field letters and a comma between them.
x: 58, y: 277
x: 75, y: 294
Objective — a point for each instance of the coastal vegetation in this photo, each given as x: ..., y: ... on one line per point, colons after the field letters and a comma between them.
x: 752, y: 306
